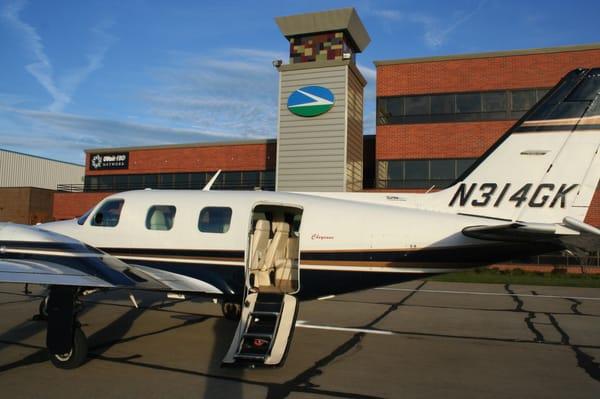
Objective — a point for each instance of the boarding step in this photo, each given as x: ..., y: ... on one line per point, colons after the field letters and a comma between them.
x: 249, y: 357
x: 263, y: 313
x: 259, y: 340
x: 258, y: 335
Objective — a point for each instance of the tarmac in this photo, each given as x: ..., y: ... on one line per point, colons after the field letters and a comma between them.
x: 412, y: 340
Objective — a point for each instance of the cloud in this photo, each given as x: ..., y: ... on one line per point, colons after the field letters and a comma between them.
x: 435, y: 30
x: 41, y: 69
x: 369, y: 73
x: 80, y: 132
x: 61, y: 90
x: 232, y: 90
x: 225, y: 96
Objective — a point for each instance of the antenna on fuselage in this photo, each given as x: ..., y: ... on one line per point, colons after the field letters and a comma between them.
x: 212, y: 181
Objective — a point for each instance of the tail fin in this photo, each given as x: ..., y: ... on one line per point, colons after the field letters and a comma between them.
x: 546, y: 167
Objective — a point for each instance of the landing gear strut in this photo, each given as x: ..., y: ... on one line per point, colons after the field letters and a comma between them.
x: 42, y: 310
x: 231, y: 310
x: 66, y: 343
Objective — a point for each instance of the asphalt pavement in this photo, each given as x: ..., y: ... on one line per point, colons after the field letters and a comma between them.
x: 412, y: 340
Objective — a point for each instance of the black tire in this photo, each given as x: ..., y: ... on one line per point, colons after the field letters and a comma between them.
x: 231, y: 310
x: 76, y: 357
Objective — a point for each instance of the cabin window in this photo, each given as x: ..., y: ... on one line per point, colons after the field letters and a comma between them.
x: 160, y: 217
x: 109, y: 213
x: 214, y: 219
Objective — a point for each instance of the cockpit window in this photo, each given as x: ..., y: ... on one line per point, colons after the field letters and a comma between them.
x: 109, y: 213
x: 81, y: 220
x: 160, y: 217
x: 214, y: 219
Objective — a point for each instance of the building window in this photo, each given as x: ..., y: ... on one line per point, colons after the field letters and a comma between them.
x: 246, y: 180
x: 181, y: 180
x: 165, y: 181
x: 136, y: 182
x: 442, y: 104
x: 214, y: 220
x: 198, y: 180
x: 160, y: 217
x: 121, y: 182
x: 109, y: 213
x: 421, y: 173
x: 457, y: 107
x: 468, y: 103
x: 417, y: 105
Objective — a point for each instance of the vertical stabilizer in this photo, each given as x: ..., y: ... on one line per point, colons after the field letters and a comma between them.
x: 544, y: 168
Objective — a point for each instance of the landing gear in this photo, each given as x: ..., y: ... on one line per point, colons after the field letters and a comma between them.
x: 42, y: 310
x: 66, y: 343
x: 231, y: 310
x: 76, y: 356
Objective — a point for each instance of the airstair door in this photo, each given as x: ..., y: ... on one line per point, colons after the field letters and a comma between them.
x: 269, y: 310
x: 265, y: 330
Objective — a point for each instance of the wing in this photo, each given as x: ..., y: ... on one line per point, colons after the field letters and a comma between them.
x: 32, y: 255
x: 571, y: 234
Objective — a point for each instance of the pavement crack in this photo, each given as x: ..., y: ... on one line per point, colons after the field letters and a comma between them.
x: 539, y: 337
x: 584, y: 361
x: 277, y: 391
x: 574, y: 306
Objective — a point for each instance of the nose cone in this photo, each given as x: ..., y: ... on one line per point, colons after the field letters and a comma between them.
x: 64, y: 227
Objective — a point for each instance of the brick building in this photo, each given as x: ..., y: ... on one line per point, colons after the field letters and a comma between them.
x: 27, y: 185
x: 244, y: 165
x: 436, y: 115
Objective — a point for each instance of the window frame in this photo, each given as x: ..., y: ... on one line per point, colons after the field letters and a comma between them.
x: 402, y: 181
x: 148, y: 216
x: 84, y: 218
x: 211, y: 207
x: 385, y: 116
x: 101, y: 207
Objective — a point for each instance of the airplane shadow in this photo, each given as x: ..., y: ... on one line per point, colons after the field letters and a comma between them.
x: 223, y: 331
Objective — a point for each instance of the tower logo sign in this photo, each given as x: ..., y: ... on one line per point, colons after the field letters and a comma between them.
x: 310, y: 101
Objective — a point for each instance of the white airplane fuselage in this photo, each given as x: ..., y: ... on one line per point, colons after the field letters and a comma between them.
x: 345, y: 245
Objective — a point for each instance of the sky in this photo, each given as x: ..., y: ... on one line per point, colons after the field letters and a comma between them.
x: 113, y: 73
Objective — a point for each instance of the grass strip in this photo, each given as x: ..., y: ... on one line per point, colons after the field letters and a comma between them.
x: 518, y: 276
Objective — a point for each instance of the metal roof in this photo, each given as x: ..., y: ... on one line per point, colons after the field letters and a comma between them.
x: 40, y: 157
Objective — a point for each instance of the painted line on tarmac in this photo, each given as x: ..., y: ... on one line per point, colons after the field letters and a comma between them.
x: 487, y: 293
x: 304, y: 324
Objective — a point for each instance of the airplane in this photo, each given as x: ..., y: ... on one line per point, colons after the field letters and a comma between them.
x: 262, y: 252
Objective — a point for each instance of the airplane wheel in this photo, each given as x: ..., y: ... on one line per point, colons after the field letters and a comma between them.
x: 231, y: 310
x: 76, y: 356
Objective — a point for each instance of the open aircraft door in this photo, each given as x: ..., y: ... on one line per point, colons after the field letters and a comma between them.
x: 272, y: 273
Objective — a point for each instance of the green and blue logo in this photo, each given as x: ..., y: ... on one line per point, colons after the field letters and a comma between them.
x: 310, y: 101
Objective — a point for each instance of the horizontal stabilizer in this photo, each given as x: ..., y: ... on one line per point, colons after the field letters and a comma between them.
x: 572, y: 234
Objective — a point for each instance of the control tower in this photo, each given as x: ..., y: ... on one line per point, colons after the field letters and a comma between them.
x: 320, y: 122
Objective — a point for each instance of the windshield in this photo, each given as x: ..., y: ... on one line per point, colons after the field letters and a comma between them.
x: 81, y: 220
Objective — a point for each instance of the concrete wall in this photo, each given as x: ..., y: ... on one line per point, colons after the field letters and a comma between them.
x: 21, y: 170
